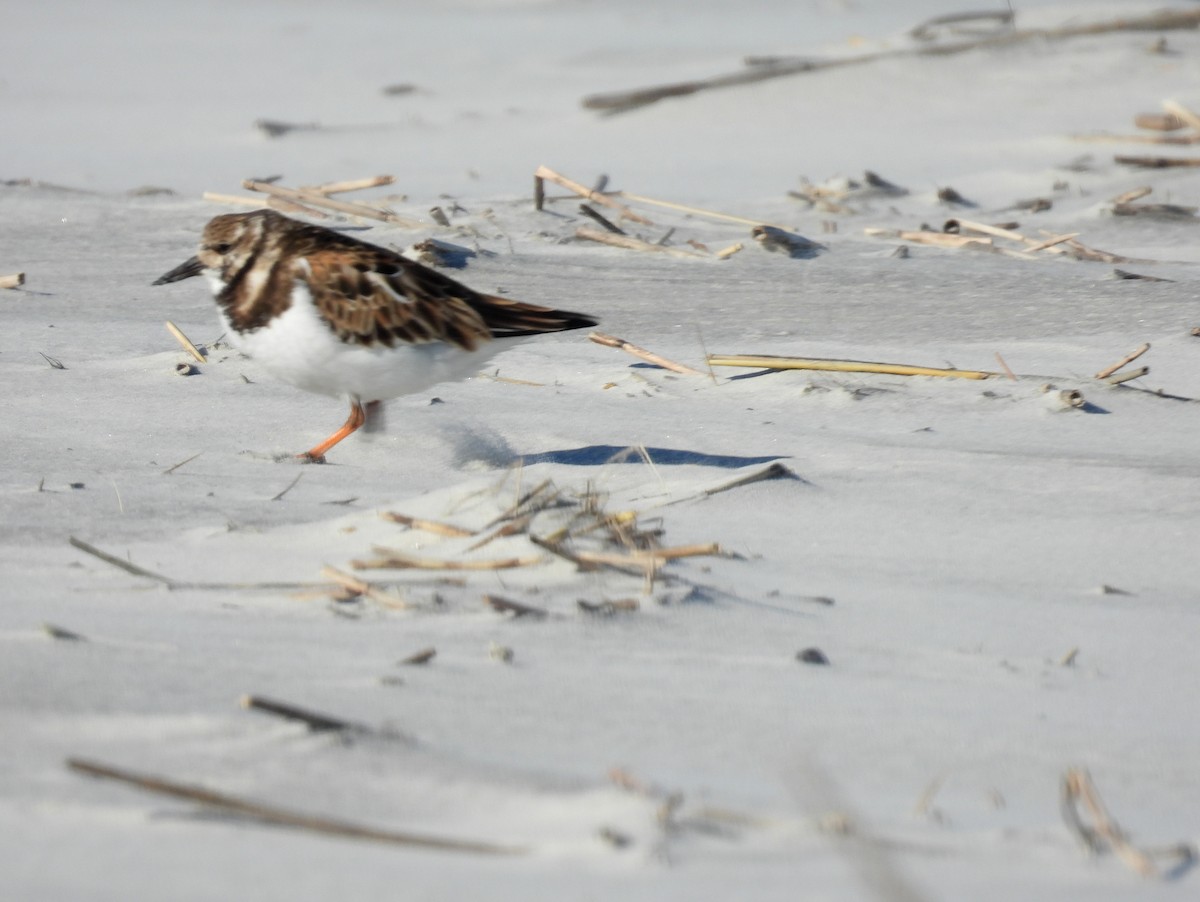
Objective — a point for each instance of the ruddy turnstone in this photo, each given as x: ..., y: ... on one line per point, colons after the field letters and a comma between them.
x: 337, y: 316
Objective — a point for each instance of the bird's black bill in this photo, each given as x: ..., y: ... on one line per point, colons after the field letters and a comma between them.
x: 186, y: 270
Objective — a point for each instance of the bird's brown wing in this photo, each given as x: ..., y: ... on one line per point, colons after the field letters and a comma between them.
x: 373, y: 296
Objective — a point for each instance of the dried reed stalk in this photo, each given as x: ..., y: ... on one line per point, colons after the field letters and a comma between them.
x: 937, y: 239
x: 284, y: 817
x: 693, y: 211
x: 1182, y: 113
x: 1081, y: 251
x: 342, y: 187
x: 14, y: 280
x: 653, y: 557
x: 957, y: 226
x: 390, y: 559
x: 118, y: 562
x: 1129, y: 197
x: 318, y: 200
x: 1050, y: 242
x: 1127, y: 359
x: 623, y: 101
x: 185, y: 342
x: 364, y: 588
x: 610, y: 341
x: 594, y: 214
x: 546, y: 174
x: 1078, y: 788
x: 1128, y: 376
x: 1157, y: 162
x: 434, y: 526
x: 1159, y: 122
x: 294, y: 209
x: 763, y: 361
x: 234, y: 200
x: 275, y: 203
x: 630, y: 243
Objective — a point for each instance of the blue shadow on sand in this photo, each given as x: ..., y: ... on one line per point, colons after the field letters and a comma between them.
x: 598, y: 455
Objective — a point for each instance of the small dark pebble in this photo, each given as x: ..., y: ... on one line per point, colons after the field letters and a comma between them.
x: 812, y: 656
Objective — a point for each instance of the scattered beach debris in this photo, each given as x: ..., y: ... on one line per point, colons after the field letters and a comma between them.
x: 951, y: 197
x: 438, y: 253
x: 65, y: 635
x: 400, y: 89
x: 630, y: 243
x: 316, y: 198
x: 834, y: 195
x: 508, y: 606
x: 782, y: 241
x: 501, y: 653
x: 316, y: 723
x: 418, y: 658
x: 812, y: 656
x: 274, y: 128
x: 963, y: 233
x: 1126, y: 276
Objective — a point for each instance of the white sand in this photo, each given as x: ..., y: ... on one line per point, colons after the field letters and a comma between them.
x: 964, y: 530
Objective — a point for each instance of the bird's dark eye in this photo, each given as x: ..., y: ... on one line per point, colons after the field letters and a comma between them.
x: 222, y: 248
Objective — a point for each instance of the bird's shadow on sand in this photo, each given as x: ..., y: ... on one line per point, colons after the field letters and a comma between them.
x: 598, y: 455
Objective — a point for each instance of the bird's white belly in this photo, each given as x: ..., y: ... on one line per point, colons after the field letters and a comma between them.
x: 300, y: 348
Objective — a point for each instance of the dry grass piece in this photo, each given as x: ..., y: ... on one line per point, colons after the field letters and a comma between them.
x: 1146, y: 162
x: 1119, y: 378
x: 319, y: 200
x: 364, y: 588
x: 546, y: 174
x: 434, y: 526
x: 764, y: 361
x: 391, y: 559
x: 937, y: 239
x: 629, y: 348
x: 283, y: 817
x: 1127, y: 359
x: 342, y: 187
x: 630, y: 243
x: 185, y: 342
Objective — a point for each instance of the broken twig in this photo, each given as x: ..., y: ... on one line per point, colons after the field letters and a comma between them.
x: 764, y: 361
x: 629, y: 348
x: 281, y: 816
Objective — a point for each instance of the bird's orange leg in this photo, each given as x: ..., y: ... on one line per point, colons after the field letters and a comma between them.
x: 357, y: 417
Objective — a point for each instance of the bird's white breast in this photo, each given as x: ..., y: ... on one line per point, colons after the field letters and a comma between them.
x: 299, y: 347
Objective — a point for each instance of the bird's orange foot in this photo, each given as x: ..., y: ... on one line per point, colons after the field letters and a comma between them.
x: 309, y: 458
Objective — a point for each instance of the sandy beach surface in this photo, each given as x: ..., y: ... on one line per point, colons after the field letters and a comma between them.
x: 903, y: 626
